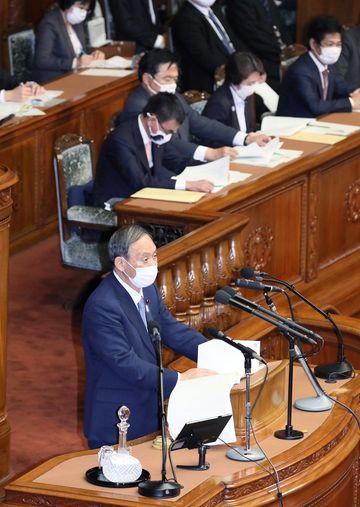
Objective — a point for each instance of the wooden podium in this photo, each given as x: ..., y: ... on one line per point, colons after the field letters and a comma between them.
x: 322, y: 469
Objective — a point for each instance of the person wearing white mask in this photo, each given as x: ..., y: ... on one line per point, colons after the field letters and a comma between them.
x: 60, y: 40
x: 311, y: 86
x: 132, y: 155
x: 230, y: 104
x: 121, y: 364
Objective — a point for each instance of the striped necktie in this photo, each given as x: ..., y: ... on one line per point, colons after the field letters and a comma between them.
x: 225, y: 39
x: 325, y: 74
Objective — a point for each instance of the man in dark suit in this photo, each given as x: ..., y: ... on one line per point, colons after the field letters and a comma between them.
x: 230, y: 104
x: 60, y: 41
x: 138, y: 21
x: 311, y: 86
x: 159, y: 71
x: 259, y: 24
x: 131, y: 157
x: 348, y: 64
x: 121, y: 363
x: 204, y: 40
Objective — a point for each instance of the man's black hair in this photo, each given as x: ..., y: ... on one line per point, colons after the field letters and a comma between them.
x: 321, y: 26
x: 240, y: 65
x: 165, y: 106
x: 152, y: 60
x: 66, y: 4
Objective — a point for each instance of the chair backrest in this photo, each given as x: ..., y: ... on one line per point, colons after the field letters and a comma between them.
x: 21, y: 47
x: 196, y: 99
x: 74, y: 167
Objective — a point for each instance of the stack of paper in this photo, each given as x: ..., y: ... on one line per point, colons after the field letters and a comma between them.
x: 165, y: 194
x: 118, y: 62
x: 327, y: 128
x: 106, y: 72
x: 283, y: 125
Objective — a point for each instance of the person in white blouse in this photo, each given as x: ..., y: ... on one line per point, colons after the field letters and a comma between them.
x: 60, y: 41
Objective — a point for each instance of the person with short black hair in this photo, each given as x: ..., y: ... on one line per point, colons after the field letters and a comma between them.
x: 311, y: 86
x: 131, y: 156
x: 60, y: 40
x: 121, y: 364
x: 230, y: 104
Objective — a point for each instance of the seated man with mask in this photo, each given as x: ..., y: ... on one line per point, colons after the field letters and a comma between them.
x: 131, y: 156
x: 229, y: 104
x: 311, y: 86
x: 158, y: 71
x: 121, y: 364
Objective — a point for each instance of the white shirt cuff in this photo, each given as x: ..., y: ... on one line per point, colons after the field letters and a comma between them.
x: 239, y: 138
x: 180, y: 185
x: 199, y: 153
x: 74, y: 63
x: 351, y: 102
x: 159, y: 42
x: 2, y: 95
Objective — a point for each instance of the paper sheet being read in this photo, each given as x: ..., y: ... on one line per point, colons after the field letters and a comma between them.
x: 223, y: 358
x: 200, y: 399
x: 106, y: 72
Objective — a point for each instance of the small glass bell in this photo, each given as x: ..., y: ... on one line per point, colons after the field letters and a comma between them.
x: 120, y: 465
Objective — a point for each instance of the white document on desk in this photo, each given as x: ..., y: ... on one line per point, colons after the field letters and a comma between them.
x: 261, y: 154
x: 43, y: 99
x: 7, y: 108
x: 200, y: 399
x: 281, y: 156
x: 328, y: 128
x: 283, y: 125
x: 116, y: 61
x: 106, y: 72
x: 223, y: 358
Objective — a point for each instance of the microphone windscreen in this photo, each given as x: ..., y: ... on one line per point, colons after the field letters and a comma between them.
x: 229, y: 290
x: 222, y: 297
x: 213, y: 331
x: 247, y: 272
x: 152, y: 325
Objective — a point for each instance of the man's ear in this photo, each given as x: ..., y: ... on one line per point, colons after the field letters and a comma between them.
x: 313, y: 44
x: 119, y: 263
x: 146, y: 78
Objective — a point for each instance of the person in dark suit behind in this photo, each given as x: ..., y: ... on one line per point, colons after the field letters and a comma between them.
x: 259, y: 24
x: 311, y: 86
x: 60, y: 41
x: 121, y: 364
x: 158, y: 71
x: 138, y: 21
x: 12, y: 91
x: 204, y: 41
x: 131, y: 156
x: 230, y: 104
x: 348, y: 64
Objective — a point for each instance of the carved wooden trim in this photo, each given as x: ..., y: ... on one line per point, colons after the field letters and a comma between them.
x: 313, y: 228
x: 352, y: 203
x: 258, y: 247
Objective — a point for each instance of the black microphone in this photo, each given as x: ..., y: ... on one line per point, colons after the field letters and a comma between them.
x: 250, y: 284
x: 216, y: 333
x: 154, y: 331
x: 286, y: 325
x: 248, y: 272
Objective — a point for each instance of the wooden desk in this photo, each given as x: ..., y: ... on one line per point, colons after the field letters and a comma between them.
x: 26, y: 146
x: 303, y: 218
x: 321, y: 469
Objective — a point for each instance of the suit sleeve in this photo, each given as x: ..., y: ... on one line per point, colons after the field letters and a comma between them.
x: 342, y: 65
x: 124, y: 156
x: 47, y: 54
x: 305, y: 88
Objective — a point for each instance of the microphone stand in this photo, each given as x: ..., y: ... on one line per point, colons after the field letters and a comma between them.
x: 318, y: 403
x: 163, y: 488
x: 341, y: 369
x: 246, y: 453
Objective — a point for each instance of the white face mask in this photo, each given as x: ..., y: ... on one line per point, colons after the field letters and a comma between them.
x: 144, y: 277
x: 75, y: 15
x: 170, y: 87
x: 244, y: 91
x: 204, y: 3
x: 329, y: 55
x: 159, y: 137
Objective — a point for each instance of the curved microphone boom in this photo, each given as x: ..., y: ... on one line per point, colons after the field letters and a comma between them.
x: 331, y: 371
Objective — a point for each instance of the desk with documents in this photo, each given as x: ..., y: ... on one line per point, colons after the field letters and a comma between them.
x: 26, y: 146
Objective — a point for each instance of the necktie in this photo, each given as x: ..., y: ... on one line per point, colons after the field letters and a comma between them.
x: 225, y: 39
x: 142, y: 311
x: 149, y: 153
x: 325, y: 74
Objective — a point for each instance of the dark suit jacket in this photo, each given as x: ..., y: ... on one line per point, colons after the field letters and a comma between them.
x: 348, y: 64
x: 301, y: 92
x: 221, y: 107
x: 252, y: 24
x: 7, y: 82
x: 200, y: 48
x: 121, y: 366
x: 179, y: 151
x: 54, y: 53
x: 123, y: 168
x: 133, y: 22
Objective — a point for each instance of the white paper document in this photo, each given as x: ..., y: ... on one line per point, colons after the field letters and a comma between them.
x: 283, y: 125
x: 336, y: 129
x: 221, y: 357
x: 44, y: 98
x: 200, y: 399
x: 269, y: 96
x: 117, y: 61
x: 7, y: 108
x: 106, y: 72
x: 261, y: 154
x: 216, y: 171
